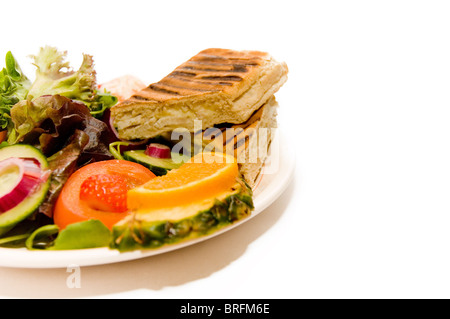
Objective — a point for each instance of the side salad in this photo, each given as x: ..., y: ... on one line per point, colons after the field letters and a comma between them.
x: 50, y: 127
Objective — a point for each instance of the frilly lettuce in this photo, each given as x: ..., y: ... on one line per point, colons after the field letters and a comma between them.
x: 54, y: 75
x: 13, y: 88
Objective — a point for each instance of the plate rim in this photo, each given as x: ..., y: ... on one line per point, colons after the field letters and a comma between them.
x: 38, y: 259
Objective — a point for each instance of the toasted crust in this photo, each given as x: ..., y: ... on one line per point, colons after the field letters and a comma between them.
x: 215, y: 86
x: 213, y: 70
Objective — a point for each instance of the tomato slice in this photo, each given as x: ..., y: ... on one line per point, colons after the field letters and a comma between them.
x: 71, y: 209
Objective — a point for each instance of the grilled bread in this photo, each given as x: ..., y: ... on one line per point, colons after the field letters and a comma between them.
x: 248, y: 142
x: 253, y: 154
x: 215, y: 86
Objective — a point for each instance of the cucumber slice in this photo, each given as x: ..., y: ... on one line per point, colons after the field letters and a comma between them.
x: 23, y: 210
x: 159, y: 166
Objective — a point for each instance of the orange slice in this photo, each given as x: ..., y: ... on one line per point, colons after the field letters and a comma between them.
x: 206, y: 176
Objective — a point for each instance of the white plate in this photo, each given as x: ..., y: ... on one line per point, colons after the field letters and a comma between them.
x: 275, y: 178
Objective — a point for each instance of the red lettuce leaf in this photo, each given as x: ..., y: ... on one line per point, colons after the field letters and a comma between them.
x: 63, y: 164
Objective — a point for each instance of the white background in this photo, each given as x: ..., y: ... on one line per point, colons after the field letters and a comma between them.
x: 366, y: 109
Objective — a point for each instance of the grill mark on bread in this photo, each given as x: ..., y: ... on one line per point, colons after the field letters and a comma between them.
x: 235, y: 68
x: 182, y: 73
x: 140, y: 98
x: 197, y: 75
x: 158, y: 88
x: 240, y: 68
x: 243, y: 141
x: 243, y: 138
x: 233, y: 78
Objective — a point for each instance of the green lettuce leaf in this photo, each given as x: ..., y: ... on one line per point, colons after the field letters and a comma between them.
x: 14, y: 87
x: 42, y: 237
x: 87, y: 234
x: 26, y: 117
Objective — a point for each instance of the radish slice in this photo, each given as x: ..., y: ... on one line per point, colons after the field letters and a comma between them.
x: 158, y: 150
x: 19, y: 177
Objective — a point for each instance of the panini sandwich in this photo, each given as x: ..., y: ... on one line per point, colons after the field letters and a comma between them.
x: 217, y: 87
